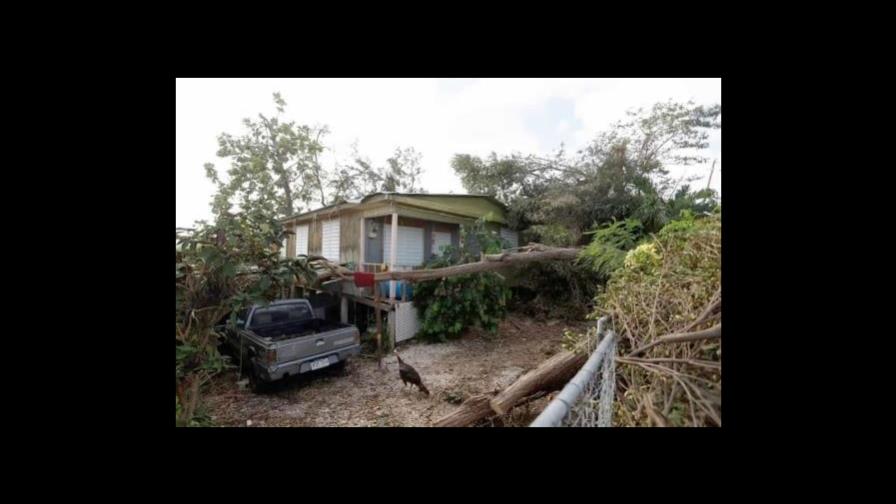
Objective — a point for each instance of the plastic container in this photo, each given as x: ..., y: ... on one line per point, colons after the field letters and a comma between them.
x: 399, y: 290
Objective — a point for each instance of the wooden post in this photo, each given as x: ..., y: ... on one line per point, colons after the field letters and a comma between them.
x: 379, y: 323
x: 361, y: 258
x: 393, y: 254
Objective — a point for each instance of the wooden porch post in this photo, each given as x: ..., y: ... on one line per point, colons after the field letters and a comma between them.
x: 393, y: 253
x: 379, y: 324
x: 361, y: 258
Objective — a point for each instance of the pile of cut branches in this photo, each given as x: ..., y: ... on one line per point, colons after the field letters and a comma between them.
x: 666, y: 305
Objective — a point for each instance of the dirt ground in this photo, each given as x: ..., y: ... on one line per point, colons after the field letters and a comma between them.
x: 364, y: 396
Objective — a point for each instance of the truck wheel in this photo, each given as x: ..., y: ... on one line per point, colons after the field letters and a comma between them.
x: 256, y: 384
x: 337, y: 369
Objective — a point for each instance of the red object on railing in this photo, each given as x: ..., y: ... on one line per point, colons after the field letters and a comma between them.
x: 363, y: 279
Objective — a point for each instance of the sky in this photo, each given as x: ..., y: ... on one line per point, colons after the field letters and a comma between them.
x: 437, y: 117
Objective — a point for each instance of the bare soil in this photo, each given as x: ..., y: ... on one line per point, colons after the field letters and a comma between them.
x: 365, y: 396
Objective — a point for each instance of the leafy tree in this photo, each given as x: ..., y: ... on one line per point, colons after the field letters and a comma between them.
x: 621, y: 173
x: 359, y: 177
x: 274, y: 166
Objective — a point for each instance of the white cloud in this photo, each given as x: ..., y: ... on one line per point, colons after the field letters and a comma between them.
x: 437, y: 118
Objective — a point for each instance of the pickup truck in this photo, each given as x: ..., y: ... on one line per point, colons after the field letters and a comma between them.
x: 284, y: 339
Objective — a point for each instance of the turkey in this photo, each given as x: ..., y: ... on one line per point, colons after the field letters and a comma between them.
x: 409, y: 374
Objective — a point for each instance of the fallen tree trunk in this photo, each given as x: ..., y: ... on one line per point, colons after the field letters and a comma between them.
x: 471, y: 411
x: 551, y: 374
x: 536, y: 253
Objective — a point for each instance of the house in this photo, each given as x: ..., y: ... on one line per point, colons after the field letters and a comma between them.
x: 390, y: 231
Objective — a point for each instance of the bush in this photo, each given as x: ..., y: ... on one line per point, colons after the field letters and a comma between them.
x: 450, y: 305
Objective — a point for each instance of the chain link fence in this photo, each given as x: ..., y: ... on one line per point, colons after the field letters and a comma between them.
x: 587, y: 400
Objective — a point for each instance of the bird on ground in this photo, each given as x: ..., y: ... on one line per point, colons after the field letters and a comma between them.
x: 409, y: 374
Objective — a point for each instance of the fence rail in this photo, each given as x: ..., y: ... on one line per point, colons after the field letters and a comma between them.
x: 587, y: 400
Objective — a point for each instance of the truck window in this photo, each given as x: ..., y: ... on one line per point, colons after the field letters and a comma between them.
x: 281, y: 313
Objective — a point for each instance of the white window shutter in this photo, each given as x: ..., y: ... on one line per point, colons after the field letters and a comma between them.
x: 302, y: 240
x: 410, y: 245
x: 330, y: 240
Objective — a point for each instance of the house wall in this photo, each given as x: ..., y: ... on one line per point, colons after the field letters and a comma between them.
x: 349, y: 234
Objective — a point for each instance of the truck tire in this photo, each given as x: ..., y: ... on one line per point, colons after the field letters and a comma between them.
x: 340, y: 368
x: 256, y: 384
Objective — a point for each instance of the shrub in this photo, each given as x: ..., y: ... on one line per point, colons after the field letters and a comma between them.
x: 450, y: 305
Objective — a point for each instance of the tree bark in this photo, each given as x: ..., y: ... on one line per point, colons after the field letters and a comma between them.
x: 489, y: 263
x: 551, y: 374
x: 471, y: 411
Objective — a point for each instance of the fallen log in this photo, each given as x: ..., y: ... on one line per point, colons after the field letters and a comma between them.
x: 551, y: 374
x: 469, y: 412
x: 488, y: 263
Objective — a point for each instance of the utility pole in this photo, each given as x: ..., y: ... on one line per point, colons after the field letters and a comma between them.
x: 710, y: 172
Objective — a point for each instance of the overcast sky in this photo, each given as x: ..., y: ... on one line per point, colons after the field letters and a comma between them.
x: 437, y: 117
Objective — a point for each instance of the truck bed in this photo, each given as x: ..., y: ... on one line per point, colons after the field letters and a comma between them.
x: 281, y: 331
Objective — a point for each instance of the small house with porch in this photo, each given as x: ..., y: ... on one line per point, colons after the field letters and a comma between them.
x: 390, y: 231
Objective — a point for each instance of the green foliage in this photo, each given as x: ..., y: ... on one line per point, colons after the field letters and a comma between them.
x: 607, y: 250
x: 274, y: 166
x: 622, y: 173
x: 555, y: 235
x: 221, y: 268
x: 401, y: 173
x: 450, y: 305
x: 644, y: 257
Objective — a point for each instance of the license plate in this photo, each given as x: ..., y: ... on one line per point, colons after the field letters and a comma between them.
x: 320, y: 363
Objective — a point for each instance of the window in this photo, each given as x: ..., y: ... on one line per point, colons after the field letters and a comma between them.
x: 440, y: 239
x: 511, y: 238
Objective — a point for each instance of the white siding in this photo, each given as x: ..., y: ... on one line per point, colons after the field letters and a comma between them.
x: 283, y: 248
x: 330, y: 240
x: 410, y: 245
x: 439, y: 240
x: 510, y: 236
x: 302, y: 240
